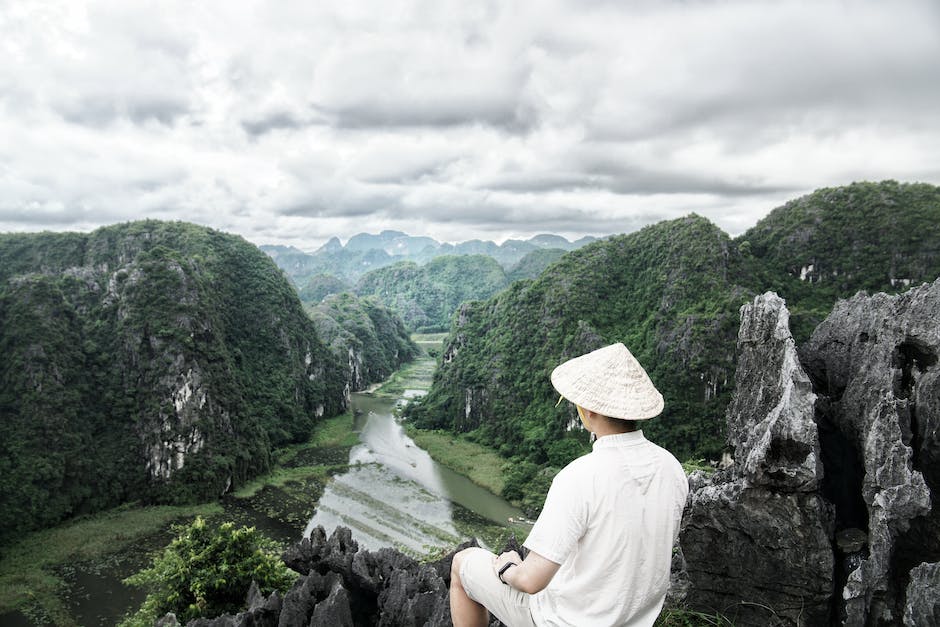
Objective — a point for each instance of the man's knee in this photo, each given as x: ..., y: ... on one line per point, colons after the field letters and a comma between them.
x: 455, y: 565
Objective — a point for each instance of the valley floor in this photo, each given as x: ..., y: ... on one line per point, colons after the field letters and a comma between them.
x: 48, y: 576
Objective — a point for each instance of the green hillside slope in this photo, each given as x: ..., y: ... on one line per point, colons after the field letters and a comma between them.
x: 366, y: 337
x: 426, y: 296
x: 877, y: 237
x: 670, y: 292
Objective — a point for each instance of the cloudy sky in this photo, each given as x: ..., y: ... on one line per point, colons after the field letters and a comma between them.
x: 290, y: 122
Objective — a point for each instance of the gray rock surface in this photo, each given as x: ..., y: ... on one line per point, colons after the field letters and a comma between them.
x: 874, y: 360
x: 770, y: 418
x: 922, y: 606
x: 757, y: 537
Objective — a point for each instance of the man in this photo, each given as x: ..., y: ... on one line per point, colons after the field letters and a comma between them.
x: 600, y: 552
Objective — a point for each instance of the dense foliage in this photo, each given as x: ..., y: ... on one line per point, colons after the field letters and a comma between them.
x: 426, y: 296
x: 320, y: 286
x: 534, y: 263
x: 671, y: 292
x: 877, y: 237
x: 364, y: 334
x: 206, y: 572
x: 147, y: 361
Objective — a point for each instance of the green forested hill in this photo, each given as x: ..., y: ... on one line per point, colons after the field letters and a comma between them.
x: 320, y: 286
x: 147, y: 361
x: 426, y: 296
x: 364, y: 335
x: 877, y: 237
x: 671, y: 292
x: 534, y: 263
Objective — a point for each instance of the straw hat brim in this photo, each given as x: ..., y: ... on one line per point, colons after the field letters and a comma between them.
x: 611, y: 382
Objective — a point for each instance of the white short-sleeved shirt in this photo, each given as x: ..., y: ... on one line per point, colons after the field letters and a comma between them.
x: 610, y: 519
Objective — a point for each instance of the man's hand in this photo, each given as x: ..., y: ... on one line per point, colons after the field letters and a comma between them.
x: 531, y: 575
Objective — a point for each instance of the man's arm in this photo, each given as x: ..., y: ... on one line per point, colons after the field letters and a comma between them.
x: 531, y: 575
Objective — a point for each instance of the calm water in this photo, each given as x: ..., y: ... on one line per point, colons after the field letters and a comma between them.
x: 395, y: 494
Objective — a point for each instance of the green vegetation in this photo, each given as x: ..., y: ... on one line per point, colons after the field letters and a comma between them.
x: 534, y: 263
x: 694, y: 465
x: 681, y: 617
x: 368, y: 339
x: 29, y: 579
x: 426, y: 296
x: 205, y: 572
x: 320, y: 286
x: 478, y: 463
x: 415, y: 375
x: 150, y: 361
x: 671, y: 292
x: 291, y: 463
x: 877, y: 237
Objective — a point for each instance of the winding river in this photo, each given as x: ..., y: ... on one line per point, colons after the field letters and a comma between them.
x: 394, y: 494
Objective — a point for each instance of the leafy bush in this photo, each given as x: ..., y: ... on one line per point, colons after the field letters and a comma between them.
x: 207, y: 571
x: 518, y: 475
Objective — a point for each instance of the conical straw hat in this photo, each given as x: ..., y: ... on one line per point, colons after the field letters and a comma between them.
x: 611, y: 382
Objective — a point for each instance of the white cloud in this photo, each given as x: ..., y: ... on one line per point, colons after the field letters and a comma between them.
x: 294, y: 123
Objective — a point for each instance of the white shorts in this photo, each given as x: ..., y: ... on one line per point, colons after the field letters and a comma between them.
x: 481, y: 584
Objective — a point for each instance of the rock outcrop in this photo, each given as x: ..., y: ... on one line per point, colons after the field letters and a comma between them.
x: 827, y: 515
x: 341, y: 586
x: 873, y: 361
x: 756, y: 538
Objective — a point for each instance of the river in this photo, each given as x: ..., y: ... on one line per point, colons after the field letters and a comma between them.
x: 392, y: 495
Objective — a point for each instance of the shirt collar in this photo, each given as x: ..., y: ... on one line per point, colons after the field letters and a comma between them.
x: 620, y: 439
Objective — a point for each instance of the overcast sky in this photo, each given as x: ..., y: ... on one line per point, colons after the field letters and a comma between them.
x: 290, y: 122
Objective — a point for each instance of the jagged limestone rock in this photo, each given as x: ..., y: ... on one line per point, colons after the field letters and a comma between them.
x: 756, y: 538
x: 874, y: 359
x: 922, y: 606
x: 770, y: 418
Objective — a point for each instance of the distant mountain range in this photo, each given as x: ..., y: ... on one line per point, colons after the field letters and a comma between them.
x: 365, y: 252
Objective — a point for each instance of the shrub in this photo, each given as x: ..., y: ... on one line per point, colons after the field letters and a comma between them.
x: 207, y: 571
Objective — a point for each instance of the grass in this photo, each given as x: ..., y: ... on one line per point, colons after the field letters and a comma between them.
x: 682, y: 617
x: 428, y: 339
x: 415, y: 375
x: 482, y: 465
x: 281, y: 476
x: 336, y: 431
x: 691, y: 465
x: 28, y: 582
